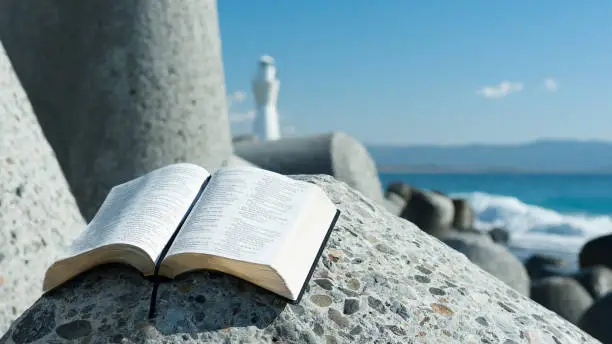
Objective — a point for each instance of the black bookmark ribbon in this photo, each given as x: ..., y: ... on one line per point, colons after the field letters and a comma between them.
x: 156, y: 279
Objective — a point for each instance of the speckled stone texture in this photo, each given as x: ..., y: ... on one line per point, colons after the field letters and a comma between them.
x: 38, y: 214
x: 39, y: 37
x: 380, y: 280
x: 151, y: 93
x: 336, y: 154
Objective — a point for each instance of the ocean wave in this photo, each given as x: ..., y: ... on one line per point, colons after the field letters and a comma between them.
x: 533, y: 228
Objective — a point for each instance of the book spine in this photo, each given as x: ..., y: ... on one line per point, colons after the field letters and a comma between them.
x: 156, y: 279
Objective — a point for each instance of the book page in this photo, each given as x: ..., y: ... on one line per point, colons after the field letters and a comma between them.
x: 144, y: 212
x: 301, y: 251
x: 245, y: 214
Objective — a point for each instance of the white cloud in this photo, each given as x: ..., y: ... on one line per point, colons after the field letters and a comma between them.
x: 237, y: 117
x: 551, y: 84
x: 241, y: 117
x: 236, y: 97
x: 501, y: 90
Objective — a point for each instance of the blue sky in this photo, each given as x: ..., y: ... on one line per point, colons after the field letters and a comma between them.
x: 445, y: 72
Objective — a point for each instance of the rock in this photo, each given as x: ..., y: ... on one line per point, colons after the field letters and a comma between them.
x: 397, y: 196
x: 464, y: 214
x: 562, y: 295
x: 471, y: 235
x: 421, y: 292
x: 596, y: 252
x: 245, y: 138
x: 236, y: 161
x: 431, y: 212
x: 394, y: 203
x: 540, y: 266
x: 493, y: 258
x: 499, y: 235
x: 150, y: 92
x: 336, y: 154
x: 39, y: 38
x: 351, y: 305
x: 38, y: 214
x: 596, y: 319
x: 401, y: 189
x: 597, y: 280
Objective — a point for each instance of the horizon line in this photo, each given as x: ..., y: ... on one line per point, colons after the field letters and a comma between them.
x: 494, y: 144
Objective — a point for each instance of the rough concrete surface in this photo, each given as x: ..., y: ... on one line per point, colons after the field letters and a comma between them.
x: 38, y: 214
x: 151, y: 92
x: 380, y: 280
x: 40, y: 38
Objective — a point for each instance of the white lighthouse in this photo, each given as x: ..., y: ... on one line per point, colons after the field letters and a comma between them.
x: 265, y: 91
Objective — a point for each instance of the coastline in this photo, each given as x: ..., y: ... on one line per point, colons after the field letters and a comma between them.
x: 485, y: 170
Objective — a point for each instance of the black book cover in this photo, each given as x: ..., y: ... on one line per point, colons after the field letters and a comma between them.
x: 316, y: 260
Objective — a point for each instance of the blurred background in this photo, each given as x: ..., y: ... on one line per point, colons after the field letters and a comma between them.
x: 504, y: 103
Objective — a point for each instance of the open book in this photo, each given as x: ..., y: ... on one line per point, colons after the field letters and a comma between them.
x: 254, y: 224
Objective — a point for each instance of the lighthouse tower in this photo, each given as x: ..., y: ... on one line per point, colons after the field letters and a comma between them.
x: 265, y: 91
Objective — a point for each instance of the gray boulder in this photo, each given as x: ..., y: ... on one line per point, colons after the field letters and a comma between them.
x: 397, y: 196
x: 394, y: 203
x: 432, y: 212
x: 562, y: 295
x: 150, y: 92
x: 596, y: 252
x: 596, y: 280
x: 336, y: 154
x: 541, y: 266
x: 236, y: 161
x: 493, y: 258
x: 470, y: 235
x: 38, y: 214
x: 399, y: 188
x: 245, y: 138
x: 463, y: 218
x: 380, y: 280
x: 596, y: 319
x: 499, y: 235
x: 39, y: 38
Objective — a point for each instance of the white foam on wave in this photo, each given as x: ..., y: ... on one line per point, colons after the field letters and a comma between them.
x: 536, y: 229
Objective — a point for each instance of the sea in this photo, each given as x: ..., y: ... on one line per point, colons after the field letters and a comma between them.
x: 550, y: 214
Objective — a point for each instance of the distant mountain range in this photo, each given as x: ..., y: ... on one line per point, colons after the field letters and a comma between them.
x: 543, y: 156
